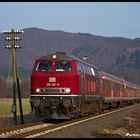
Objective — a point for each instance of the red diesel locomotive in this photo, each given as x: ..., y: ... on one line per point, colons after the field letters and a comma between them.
x: 64, y: 87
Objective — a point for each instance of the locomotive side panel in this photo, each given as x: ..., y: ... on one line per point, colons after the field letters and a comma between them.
x: 88, y: 80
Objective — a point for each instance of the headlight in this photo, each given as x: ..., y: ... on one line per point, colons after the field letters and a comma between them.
x: 38, y: 90
x: 54, y: 56
x: 67, y: 90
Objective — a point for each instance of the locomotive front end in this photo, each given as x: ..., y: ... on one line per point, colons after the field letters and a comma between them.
x: 54, y: 84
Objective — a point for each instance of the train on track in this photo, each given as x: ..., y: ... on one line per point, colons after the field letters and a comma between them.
x: 64, y: 87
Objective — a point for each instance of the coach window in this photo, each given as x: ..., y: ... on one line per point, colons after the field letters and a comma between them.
x: 63, y: 66
x: 86, y: 69
x: 89, y: 70
x: 81, y: 67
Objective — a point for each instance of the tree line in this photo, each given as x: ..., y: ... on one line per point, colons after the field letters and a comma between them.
x: 6, y: 87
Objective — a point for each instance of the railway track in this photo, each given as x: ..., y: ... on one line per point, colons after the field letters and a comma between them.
x: 38, y: 129
x: 24, y: 128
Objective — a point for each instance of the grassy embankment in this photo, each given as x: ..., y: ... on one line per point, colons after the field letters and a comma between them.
x: 6, y: 106
x: 6, y: 115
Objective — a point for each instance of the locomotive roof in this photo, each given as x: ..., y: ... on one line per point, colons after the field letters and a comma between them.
x: 60, y: 56
x: 64, y: 56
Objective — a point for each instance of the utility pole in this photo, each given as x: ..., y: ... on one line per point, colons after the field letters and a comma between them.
x: 16, y: 85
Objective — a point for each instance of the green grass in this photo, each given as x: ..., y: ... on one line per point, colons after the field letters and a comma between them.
x: 6, y: 106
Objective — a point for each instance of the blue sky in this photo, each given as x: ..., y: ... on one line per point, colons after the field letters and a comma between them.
x: 98, y: 18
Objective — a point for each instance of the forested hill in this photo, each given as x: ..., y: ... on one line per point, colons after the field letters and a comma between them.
x: 117, y: 55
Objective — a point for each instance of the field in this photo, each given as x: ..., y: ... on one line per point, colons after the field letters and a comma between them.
x: 6, y: 115
x: 6, y: 106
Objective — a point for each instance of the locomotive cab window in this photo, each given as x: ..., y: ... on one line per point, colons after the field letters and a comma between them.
x: 44, y: 66
x: 63, y: 66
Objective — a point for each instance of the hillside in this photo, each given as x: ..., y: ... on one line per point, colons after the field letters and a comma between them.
x: 116, y: 55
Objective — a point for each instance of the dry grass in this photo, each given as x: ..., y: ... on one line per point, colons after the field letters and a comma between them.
x: 6, y: 122
x: 6, y: 106
x: 6, y: 115
x: 130, y: 125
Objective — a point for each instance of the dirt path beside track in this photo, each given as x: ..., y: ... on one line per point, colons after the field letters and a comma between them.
x: 122, y: 124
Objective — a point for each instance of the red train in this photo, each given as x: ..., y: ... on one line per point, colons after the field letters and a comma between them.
x: 65, y: 87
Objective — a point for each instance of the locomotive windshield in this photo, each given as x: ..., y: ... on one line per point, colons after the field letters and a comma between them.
x: 63, y: 66
x: 44, y: 66
x: 58, y: 66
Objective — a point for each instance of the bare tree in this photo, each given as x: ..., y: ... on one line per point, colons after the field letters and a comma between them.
x: 3, y: 87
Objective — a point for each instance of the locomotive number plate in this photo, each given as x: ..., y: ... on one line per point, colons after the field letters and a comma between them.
x: 52, y: 79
